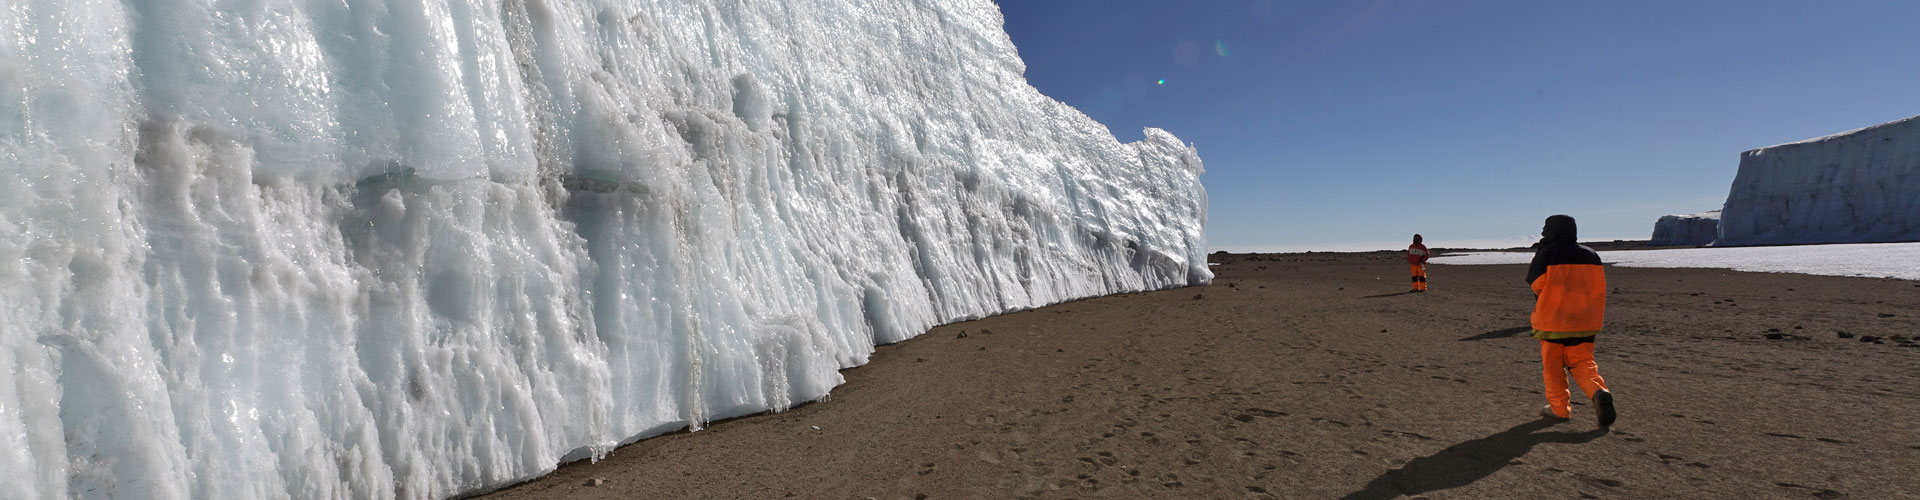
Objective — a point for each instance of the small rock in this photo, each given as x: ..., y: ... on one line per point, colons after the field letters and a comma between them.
x: 1198, y: 296
x: 919, y: 360
x: 596, y: 481
x: 962, y: 335
x: 1263, y: 286
x: 815, y: 427
x: 1796, y: 327
x: 1844, y: 335
x: 1869, y: 338
x: 1231, y: 285
x: 1774, y: 330
x: 1059, y: 350
x: 1886, y: 315
x: 1383, y: 331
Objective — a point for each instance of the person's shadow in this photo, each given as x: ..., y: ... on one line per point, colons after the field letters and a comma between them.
x: 1464, y: 463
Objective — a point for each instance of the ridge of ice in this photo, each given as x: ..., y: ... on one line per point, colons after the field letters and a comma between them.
x: 306, y: 249
x: 1855, y: 187
x: 1686, y: 229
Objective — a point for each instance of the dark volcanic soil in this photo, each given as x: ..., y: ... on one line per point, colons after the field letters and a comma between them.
x: 1316, y: 376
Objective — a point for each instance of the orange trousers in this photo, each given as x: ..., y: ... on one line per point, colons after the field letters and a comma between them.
x: 1419, y: 276
x: 1556, y: 361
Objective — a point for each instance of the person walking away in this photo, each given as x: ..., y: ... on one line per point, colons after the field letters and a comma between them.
x: 1417, y: 259
x: 1570, y: 303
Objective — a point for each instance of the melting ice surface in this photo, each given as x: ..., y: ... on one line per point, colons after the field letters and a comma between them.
x: 411, y: 249
x: 1875, y: 260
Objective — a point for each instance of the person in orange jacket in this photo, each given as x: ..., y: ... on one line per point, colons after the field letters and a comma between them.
x: 1417, y: 259
x: 1570, y: 305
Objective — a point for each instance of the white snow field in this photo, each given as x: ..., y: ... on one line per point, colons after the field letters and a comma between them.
x: 1854, y: 187
x: 1873, y: 260
x: 1687, y: 229
x: 326, y: 249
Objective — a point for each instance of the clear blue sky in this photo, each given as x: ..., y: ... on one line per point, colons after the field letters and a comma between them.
x: 1331, y: 122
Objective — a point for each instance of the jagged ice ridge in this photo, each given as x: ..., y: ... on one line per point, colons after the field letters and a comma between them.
x: 414, y: 249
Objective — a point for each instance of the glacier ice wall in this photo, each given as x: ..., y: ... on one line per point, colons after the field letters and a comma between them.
x: 1859, y: 186
x: 378, y: 249
x: 1687, y: 229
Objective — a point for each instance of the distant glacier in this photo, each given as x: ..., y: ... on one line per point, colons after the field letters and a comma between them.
x: 1859, y: 186
x: 309, y: 249
x: 1688, y: 229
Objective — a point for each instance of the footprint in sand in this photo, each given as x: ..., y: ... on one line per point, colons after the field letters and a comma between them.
x: 1262, y: 412
x: 1331, y: 421
x: 1408, y: 434
x: 1597, y: 481
x: 1817, y: 492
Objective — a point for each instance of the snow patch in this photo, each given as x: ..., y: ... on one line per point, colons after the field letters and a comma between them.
x: 1874, y: 260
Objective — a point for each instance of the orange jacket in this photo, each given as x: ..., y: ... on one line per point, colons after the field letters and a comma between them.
x: 1570, y: 287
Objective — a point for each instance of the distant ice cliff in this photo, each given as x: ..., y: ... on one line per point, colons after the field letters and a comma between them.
x: 1853, y: 187
x: 1687, y: 229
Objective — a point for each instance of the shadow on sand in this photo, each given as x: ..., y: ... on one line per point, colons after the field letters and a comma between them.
x: 1387, y: 295
x: 1464, y: 463
x: 1500, y: 334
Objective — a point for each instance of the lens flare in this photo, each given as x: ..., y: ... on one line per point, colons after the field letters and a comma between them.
x: 1163, y: 81
x: 1220, y: 47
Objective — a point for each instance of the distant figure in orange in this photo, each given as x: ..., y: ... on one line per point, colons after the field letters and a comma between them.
x: 1569, y: 307
x: 1417, y: 259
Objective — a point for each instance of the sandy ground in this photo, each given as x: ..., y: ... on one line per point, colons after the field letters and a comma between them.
x: 1317, y: 376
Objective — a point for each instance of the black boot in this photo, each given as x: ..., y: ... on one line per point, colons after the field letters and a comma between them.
x: 1604, y: 400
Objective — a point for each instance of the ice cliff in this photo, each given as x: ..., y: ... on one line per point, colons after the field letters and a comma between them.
x: 1853, y: 187
x: 365, y: 249
x: 1688, y: 229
